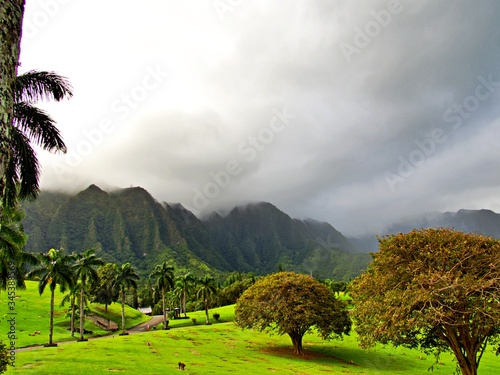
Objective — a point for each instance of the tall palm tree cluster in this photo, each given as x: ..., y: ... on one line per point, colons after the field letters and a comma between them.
x: 79, y: 273
x: 177, y: 289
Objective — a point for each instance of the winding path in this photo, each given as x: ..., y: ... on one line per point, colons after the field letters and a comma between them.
x: 143, y: 327
x: 146, y: 326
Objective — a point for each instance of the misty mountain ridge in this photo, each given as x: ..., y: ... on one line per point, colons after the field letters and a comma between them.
x: 129, y: 225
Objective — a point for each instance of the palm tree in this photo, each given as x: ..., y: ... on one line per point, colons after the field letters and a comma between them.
x: 125, y: 278
x: 70, y: 297
x: 163, y: 276
x: 85, y: 271
x: 185, y: 283
x: 55, y: 268
x: 13, y: 258
x: 32, y: 126
x: 206, y: 289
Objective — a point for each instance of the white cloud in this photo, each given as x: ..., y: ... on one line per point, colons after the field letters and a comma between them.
x: 224, y: 78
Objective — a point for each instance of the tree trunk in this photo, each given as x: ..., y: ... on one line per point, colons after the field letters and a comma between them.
x: 51, y: 323
x: 468, y: 370
x: 82, y: 313
x: 467, y: 366
x: 11, y: 18
x: 297, y: 342
x: 206, y: 311
x: 164, y: 309
x: 184, y: 302
x: 72, y: 320
x: 467, y: 362
x: 122, y: 292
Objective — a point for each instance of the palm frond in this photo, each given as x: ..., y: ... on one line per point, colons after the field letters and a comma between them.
x: 23, y: 166
x: 38, y: 127
x: 35, y: 85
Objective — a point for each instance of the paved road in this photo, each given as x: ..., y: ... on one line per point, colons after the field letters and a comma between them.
x: 146, y: 326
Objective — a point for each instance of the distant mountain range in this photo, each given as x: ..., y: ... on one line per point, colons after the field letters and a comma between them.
x: 129, y: 225
x: 485, y: 222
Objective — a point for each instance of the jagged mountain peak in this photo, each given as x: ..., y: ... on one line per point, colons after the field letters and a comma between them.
x: 92, y: 190
x: 256, y: 207
x: 130, y: 225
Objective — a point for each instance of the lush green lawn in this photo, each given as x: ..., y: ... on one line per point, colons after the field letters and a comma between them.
x: 225, y: 349
x: 220, y: 348
x: 32, y: 313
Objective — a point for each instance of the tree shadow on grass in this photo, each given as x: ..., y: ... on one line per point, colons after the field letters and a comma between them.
x: 375, y: 359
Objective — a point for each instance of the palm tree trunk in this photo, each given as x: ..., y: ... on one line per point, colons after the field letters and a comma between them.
x: 122, y: 293
x: 82, y: 313
x: 184, y: 303
x: 72, y: 320
x: 206, y: 310
x: 164, y: 308
x: 11, y: 19
x: 51, y: 323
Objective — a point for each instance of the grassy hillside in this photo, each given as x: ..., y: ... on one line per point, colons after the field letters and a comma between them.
x: 221, y: 348
x: 32, y: 313
x: 226, y: 349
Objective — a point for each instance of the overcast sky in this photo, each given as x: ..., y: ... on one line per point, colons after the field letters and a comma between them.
x: 357, y: 113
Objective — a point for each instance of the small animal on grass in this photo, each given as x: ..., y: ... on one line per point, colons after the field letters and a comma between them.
x: 182, y: 366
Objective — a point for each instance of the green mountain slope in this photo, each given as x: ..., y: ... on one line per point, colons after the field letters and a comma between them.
x: 261, y: 238
x: 129, y: 225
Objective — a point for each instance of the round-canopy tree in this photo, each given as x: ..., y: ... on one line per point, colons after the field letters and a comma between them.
x: 292, y: 303
x: 433, y: 289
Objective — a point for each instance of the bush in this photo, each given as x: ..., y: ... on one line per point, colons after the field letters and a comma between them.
x: 216, y: 316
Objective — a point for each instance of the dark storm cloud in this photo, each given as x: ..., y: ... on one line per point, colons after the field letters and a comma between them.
x: 354, y: 113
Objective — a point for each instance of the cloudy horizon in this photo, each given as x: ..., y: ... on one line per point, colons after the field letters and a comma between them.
x: 358, y: 114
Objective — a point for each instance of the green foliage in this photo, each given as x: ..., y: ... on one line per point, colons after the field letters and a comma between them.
x: 129, y: 225
x: 4, y: 358
x: 184, y: 285
x: 55, y: 268
x: 436, y: 289
x: 163, y: 280
x: 85, y: 270
x: 290, y: 303
x: 205, y: 290
x: 31, y: 127
x: 104, y: 291
x: 234, y: 286
x: 13, y: 259
x: 125, y: 277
